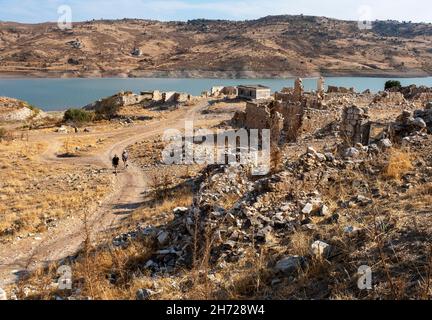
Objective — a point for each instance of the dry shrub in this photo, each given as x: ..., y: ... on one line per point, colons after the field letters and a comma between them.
x: 398, y: 164
x: 6, y: 135
x: 276, y: 159
x: 300, y: 243
x: 160, y: 183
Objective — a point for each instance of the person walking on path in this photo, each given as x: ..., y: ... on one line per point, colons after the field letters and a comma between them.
x: 115, y: 163
x: 125, y: 157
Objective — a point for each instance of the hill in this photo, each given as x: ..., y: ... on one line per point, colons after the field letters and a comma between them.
x: 274, y: 46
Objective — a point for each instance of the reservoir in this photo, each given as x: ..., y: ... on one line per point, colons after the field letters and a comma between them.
x: 60, y: 94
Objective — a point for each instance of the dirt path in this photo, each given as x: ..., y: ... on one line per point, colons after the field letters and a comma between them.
x: 66, y: 239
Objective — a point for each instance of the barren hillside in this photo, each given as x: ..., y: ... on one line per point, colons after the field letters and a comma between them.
x: 271, y: 46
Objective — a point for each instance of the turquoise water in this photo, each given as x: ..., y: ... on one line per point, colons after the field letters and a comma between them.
x: 60, y: 94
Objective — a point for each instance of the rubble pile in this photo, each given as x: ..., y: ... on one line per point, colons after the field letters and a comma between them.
x: 412, y: 123
x: 386, y: 97
x: 233, y: 213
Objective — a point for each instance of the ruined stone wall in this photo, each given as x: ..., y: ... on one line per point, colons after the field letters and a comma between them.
x: 229, y: 91
x: 355, y: 126
x: 151, y: 95
x: 157, y: 95
x: 334, y: 89
x: 257, y: 116
x: 283, y: 96
x: 168, y: 96
x: 181, y: 97
x: 292, y: 114
x: 130, y: 99
x: 263, y: 94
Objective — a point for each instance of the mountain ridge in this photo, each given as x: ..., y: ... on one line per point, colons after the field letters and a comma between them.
x: 271, y: 46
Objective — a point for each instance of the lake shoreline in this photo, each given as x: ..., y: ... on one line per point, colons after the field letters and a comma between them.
x: 200, y: 74
x: 62, y: 93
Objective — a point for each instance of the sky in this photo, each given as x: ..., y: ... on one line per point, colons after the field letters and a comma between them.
x: 33, y: 11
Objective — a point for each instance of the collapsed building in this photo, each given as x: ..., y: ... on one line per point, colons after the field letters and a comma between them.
x: 389, y: 97
x: 125, y: 99
x: 284, y: 115
x: 356, y: 128
x: 121, y: 99
x: 420, y: 95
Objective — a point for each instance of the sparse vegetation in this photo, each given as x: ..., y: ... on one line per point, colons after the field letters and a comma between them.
x: 268, y: 46
x: 3, y: 133
x: 398, y: 164
x: 78, y: 116
x: 218, y: 232
x: 392, y: 84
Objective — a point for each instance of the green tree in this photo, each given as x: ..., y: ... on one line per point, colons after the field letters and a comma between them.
x: 78, y: 116
x: 392, y: 84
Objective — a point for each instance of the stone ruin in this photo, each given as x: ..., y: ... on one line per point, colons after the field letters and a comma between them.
x: 284, y: 114
x: 386, y: 97
x: 217, y: 91
x: 334, y: 89
x: 283, y: 120
x: 154, y: 95
x: 420, y: 95
x: 355, y: 126
x: 409, y: 123
x: 298, y: 90
x: 121, y: 99
x: 320, y: 87
x: 125, y: 99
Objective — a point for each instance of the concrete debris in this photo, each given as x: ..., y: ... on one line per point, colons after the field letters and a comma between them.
x: 290, y: 265
x: 62, y: 129
x: 320, y: 249
x: 180, y: 210
x: 163, y: 238
x: 385, y: 144
x: 351, y: 153
x: 307, y: 208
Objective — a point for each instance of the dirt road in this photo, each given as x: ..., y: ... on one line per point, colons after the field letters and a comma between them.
x: 66, y: 239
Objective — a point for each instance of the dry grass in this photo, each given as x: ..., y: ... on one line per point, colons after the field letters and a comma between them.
x: 33, y: 192
x: 83, y: 145
x: 399, y: 163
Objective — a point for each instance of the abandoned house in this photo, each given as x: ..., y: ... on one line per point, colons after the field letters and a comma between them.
x: 254, y: 92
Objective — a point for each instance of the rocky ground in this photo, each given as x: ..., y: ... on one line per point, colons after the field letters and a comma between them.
x: 303, y: 231
x: 13, y: 110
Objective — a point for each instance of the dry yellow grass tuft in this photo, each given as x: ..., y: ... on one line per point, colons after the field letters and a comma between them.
x: 398, y: 164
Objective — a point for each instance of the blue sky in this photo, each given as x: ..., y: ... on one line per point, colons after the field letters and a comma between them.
x: 46, y: 10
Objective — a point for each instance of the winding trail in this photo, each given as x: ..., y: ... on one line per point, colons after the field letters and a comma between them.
x: 66, y: 239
